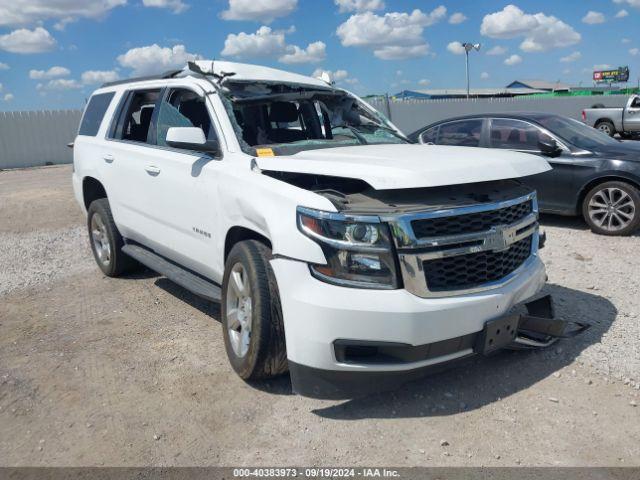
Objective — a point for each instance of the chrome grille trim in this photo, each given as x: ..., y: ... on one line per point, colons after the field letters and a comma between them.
x: 413, y: 251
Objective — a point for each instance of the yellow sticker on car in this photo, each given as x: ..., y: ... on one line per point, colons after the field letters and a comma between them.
x: 265, y: 152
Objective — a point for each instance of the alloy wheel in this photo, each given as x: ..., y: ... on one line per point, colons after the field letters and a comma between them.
x: 100, y: 239
x: 611, y: 209
x: 239, y: 310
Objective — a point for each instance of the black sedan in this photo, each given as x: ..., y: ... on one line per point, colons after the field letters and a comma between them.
x: 593, y: 175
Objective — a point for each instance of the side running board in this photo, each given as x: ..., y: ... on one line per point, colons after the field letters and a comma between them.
x: 191, y: 281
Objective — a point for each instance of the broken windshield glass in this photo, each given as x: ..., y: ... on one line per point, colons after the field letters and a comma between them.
x: 290, y: 118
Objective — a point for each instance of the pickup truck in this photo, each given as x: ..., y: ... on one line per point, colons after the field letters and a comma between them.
x: 338, y: 251
x: 623, y: 120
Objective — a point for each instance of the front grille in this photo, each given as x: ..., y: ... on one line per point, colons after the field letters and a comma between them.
x: 472, y: 222
x: 468, y: 271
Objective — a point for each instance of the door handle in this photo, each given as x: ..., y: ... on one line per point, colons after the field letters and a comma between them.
x: 152, y: 170
x: 108, y: 158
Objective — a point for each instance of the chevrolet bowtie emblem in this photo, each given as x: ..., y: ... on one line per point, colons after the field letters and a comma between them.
x: 499, y: 239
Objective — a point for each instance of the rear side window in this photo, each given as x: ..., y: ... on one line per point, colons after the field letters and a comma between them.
x: 135, y: 124
x: 465, y: 133
x: 94, y: 113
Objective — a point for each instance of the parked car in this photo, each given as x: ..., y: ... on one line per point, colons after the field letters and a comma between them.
x: 337, y: 249
x: 623, y: 120
x: 593, y: 175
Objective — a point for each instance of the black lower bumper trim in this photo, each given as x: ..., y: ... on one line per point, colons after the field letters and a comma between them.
x: 341, y: 385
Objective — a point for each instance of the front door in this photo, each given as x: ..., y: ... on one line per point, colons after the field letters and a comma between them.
x: 552, y: 186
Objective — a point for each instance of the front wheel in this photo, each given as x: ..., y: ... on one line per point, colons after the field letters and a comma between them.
x: 612, y: 208
x: 252, y: 323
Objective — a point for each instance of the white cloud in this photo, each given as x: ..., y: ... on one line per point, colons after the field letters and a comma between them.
x: 258, y: 10
x: 497, y: 50
x: 314, y: 53
x: 593, y: 18
x: 602, y: 66
x: 9, y: 97
x: 425, y: 82
x: 92, y: 77
x: 4, y: 66
x: 457, y: 18
x: 572, y: 57
x: 391, y: 36
x: 359, y: 5
x: 626, y: 40
x: 484, y: 75
x: 338, y: 76
x: 26, y: 12
x: 176, y: 6
x: 622, y: 13
x: 566, y: 71
x: 264, y: 43
x: 59, y: 84
x: 631, y: 3
x: 53, y: 72
x: 1, y: 87
x: 540, y: 32
x: 27, y: 41
x: 634, y: 51
x: 456, y: 48
x: 513, y: 60
x: 155, y: 59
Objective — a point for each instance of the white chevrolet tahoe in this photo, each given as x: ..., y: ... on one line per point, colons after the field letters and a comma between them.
x: 338, y: 251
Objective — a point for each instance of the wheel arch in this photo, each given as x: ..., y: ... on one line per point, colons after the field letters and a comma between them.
x: 92, y: 189
x: 604, y: 119
x: 238, y: 234
x: 602, y: 179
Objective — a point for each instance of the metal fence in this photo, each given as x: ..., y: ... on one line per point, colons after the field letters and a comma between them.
x: 410, y: 115
x: 29, y: 139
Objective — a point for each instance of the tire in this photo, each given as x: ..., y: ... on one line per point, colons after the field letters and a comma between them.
x: 106, y: 241
x: 606, y: 126
x: 616, y: 201
x: 253, y: 335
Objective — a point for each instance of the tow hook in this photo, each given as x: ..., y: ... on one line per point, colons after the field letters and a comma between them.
x: 539, y: 328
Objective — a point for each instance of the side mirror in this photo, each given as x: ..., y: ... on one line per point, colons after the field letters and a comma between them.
x: 549, y: 148
x: 191, y: 138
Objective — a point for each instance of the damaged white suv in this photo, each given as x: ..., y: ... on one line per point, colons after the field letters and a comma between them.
x: 338, y: 251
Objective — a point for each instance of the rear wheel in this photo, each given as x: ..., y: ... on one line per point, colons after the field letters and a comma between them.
x: 251, y: 313
x: 612, y: 208
x: 106, y: 241
x: 605, y: 126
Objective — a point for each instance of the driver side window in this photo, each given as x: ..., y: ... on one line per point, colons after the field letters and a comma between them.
x: 183, y: 108
x: 512, y: 134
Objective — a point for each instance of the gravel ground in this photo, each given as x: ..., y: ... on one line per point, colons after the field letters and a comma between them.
x: 132, y: 371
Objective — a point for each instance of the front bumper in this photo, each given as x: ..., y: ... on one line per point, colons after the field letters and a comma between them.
x: 316, y: 315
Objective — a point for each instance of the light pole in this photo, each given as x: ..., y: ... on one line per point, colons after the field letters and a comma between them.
x: 467, y: 48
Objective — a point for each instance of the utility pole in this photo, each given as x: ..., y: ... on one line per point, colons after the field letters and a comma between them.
x: 467, y: 48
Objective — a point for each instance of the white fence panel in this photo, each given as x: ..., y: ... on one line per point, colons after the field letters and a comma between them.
x: 29, y: 139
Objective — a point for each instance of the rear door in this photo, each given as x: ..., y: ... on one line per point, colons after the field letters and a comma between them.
x: 129, y: 157
x: 555, y: 187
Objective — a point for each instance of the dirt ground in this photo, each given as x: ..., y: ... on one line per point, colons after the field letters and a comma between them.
x: 132, y: 371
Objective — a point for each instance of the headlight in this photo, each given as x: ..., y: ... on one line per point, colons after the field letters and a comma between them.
x: 358, y: 250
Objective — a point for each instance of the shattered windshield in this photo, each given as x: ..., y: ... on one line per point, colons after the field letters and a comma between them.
x: 289, y: 119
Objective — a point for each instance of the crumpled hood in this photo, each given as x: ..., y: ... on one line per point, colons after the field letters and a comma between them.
x: 387, y: 167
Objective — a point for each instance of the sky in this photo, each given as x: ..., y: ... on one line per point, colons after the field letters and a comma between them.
x: 54, y: 53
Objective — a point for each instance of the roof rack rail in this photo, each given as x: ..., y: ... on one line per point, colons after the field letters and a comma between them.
x: 167, y: 74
